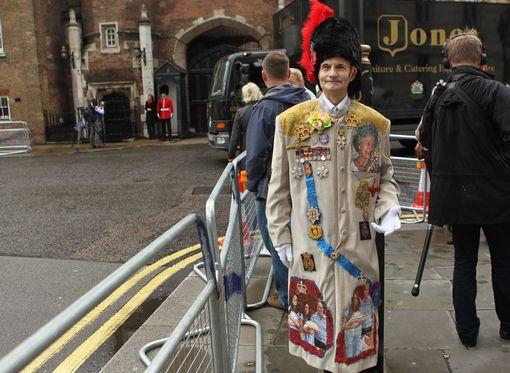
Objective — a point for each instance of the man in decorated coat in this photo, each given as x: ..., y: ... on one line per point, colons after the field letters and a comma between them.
x: 331, y: 190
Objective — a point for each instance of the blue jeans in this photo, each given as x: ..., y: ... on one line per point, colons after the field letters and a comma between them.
x: 281, y: 273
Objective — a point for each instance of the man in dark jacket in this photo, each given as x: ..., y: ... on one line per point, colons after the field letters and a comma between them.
x: 259, y: 146
x: 466, y: 125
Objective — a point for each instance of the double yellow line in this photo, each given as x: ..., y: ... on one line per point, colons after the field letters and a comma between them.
x: 87, y: 348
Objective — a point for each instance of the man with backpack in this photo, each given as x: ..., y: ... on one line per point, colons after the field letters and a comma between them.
x: 93, y: 115
x: 466, y: 127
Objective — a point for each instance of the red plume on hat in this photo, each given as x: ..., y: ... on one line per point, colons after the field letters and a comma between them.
x: 318, y: 13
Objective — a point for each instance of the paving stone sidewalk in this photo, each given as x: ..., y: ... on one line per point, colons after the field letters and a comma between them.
x: 419, y: 332
x: 68, y: 148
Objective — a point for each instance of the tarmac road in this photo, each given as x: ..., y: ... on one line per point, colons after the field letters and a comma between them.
x: 101, y: 206
x: 68, y: 220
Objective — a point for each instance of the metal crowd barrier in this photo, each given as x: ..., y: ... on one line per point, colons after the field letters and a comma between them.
x: 407, y: 173
x: 190, y: 346
x: 29, y: 349
x: 232, y: 269
x: 252, y: 244
x: 241, y: 248
x: 14, y: 137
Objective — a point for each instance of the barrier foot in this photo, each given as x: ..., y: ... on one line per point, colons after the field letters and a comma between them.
x: 202, y: 275
x: 258, y: 341
x: 142, y: 353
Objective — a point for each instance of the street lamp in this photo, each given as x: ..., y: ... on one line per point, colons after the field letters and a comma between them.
x: 65, y: 55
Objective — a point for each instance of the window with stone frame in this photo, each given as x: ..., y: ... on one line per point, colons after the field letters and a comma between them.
x: 1, y: 39
x: 109, y: 37
x: 5, y: 112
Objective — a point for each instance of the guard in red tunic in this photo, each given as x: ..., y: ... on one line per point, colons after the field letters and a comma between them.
x: 165, y: 113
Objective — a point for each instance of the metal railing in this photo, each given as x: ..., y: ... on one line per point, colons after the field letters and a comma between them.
x: 236, y: 263
x: 190, y: 345
x: 14, y: 137
x: 59, y: 125
x: 252, y: 245
x: 232, y: 268
x: 29, y: 349
x: 407, y: 173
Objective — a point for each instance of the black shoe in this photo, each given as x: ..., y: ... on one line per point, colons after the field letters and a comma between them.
x: 468, y: 338
x: 504, y: 332
x: 468, y: 341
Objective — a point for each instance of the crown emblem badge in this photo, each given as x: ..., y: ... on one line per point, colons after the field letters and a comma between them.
x: 301, y: 288
x: 417, y: 88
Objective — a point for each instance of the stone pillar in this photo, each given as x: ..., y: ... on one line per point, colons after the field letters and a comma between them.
x: 75, y: 47
x: 146, y: 61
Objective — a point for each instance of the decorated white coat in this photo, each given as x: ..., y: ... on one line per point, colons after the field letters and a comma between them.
x: 330, y: 178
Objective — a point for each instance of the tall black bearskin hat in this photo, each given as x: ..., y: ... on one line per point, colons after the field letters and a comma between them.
x: 326, y: 36
x: 164, y: 89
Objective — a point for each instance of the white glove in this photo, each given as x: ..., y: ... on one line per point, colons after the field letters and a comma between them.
x: 285, y: 253
x: 390, y: 222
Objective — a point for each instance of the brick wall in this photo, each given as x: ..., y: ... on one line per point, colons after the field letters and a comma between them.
x: 19, y: 68
x: 34, y: 72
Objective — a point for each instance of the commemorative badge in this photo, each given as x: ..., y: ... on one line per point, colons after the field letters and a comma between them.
x: 319, y: 153
x: 297, y: 172
x: 324, y: 139
x: 315, y: 232
x: 352, y: 120
x: 308, y: 262
x: 313, y: 214
x: 302, y: 132
x: 322, y: 172
x: 341, y: 139
x: 364, y: 231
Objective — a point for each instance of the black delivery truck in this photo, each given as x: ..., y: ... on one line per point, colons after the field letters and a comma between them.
x: 406, y: 39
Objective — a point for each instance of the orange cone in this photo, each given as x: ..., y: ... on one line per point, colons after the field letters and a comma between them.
x: 241, y: 181
x: 418, y: 203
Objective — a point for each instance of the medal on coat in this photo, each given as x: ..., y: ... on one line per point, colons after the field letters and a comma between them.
x: 297, y: 172
x: 315, y: 232
x: 341, y: 139
x: 322, y: 171
x: 313, y: 214
x: 308, y: 262
x: 314, y: 154
x: 324, y: 139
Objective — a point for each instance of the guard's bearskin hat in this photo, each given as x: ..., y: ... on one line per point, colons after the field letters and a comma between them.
x: 326, y: 36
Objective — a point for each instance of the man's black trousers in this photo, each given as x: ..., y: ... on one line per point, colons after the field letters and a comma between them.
x: 466, y: 239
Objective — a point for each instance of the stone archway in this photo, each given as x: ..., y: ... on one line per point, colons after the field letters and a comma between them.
x: 201, y: 26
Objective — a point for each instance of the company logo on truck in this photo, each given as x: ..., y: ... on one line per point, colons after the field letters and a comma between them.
x: 393, y: 35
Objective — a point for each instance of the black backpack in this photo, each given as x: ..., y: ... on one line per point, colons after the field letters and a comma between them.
x: 89, y: 115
